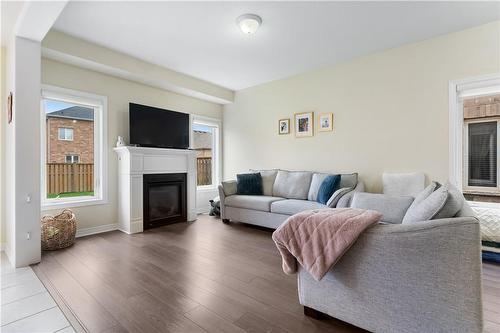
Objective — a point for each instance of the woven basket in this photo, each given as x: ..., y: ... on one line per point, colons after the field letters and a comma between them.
x: 58, y: 231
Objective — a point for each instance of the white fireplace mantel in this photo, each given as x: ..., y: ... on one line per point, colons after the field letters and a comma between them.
x: 133, y: 163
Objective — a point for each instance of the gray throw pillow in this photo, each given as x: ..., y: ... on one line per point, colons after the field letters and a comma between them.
x: 393, y: 208
x: 454, y: 202
x: 332, y: 202
x: 230, y: 187
x: 426, y: 205
x: 268, y: 177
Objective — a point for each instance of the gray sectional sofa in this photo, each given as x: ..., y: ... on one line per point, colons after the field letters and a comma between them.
x: 285, y: 193
x: 406, y: 275
x: 420, y: 276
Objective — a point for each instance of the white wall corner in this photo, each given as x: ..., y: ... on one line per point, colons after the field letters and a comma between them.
x: 37, y: 17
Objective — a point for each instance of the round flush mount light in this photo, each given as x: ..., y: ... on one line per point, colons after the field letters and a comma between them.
x: 249, y: 23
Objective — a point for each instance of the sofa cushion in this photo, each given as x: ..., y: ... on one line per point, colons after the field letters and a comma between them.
x: 329, y: 185
x: 229, y: 187
x: 403, y: 183
x: 294, y: 206
x: 255, y: 202
x: 249, y: 184
x: 427, y: 204
x: 268, y: 177
x: 292, y: 184
x: 346, y: 180
x: 454, y: 202
x: 393, y: 208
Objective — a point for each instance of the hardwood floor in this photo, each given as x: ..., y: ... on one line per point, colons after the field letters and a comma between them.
x: 204, y: 276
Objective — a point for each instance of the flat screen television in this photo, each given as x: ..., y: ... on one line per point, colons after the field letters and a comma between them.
x: 154, y: 127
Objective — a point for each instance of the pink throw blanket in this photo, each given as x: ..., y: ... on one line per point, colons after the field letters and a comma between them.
x: 317, y: 239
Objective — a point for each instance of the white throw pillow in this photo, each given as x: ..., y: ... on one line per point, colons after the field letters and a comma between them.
x: 403, y: 183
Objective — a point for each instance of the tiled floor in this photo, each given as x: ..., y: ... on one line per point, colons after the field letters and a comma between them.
x: 26, y: 306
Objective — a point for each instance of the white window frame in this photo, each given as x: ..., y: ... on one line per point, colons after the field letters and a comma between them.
x: 100, y: 105
x: 217, y: 148
x: 65, y: 132
x: 458, y: 90
x: 72, y: 157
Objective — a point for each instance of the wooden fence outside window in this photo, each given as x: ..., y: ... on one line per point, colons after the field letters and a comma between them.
x: 204, y: 167
x: 65, y: 177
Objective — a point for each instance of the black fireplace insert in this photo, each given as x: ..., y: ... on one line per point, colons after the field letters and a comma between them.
x: 165, y: 199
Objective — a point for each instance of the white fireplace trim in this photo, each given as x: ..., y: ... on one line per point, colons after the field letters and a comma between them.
x: 133, y: 163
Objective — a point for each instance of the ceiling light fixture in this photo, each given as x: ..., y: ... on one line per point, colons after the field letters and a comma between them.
x: 249, y: 23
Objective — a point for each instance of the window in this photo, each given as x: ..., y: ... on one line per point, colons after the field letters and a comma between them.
x: 206, y: 142
x: 72, y: 158
x: 474, y: 129
x: 482, y: 154
x: 65, y: 134
x: 73, y: 149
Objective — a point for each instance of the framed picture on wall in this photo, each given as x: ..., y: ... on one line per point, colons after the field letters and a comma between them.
x: 325, y: 122
x: 10, y: 101
x: 304, y: 124
x: 284, y: 126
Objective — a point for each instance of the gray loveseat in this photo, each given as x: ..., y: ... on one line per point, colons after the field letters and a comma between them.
x: 404, y: 277
x: 285, y: 193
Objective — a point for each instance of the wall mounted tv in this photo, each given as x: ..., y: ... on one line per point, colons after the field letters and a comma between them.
x: 154, y: 127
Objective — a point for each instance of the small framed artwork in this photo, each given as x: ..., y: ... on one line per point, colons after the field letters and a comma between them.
x: 325, y: 122
x: 284, y: 126
x: 304, y: 124
x: 10, y: 101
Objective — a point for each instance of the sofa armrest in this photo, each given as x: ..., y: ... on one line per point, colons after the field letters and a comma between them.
x: 345, y: 200
x: 417, y: 276
x: 222, y: 198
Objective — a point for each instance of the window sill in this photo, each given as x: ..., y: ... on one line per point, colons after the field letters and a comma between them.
x: 56, y: 204
x: 485, y: 205
x: 206, y: 188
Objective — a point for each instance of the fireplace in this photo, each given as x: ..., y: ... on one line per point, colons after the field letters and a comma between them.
x: 165, y: 199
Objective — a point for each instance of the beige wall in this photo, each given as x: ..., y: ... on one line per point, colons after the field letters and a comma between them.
x: 119, y: 93
x: 390, y: 111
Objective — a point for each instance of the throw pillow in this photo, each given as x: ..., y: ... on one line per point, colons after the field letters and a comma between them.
x: 393, y: 208
x: 268, y: 177
x: 334, y: 199
x: 403, y: 183
x: 327, y: 188
x: 249, y: 184
x: 454, y: 202
x: 427, y: 205
x: 229, y: 187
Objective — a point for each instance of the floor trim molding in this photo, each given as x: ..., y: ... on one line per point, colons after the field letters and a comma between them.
x: 96, y: 230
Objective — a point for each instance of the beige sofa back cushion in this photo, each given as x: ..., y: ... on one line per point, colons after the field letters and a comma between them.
x: 268, y: 177
x: 292, y: 184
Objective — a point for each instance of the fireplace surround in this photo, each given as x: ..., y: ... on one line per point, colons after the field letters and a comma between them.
x: 135, y: 164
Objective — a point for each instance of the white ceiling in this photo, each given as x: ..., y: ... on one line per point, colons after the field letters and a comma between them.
x: 201, y: 39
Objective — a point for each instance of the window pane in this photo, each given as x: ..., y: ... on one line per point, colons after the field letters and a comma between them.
x: 69, y: 149
x: 203, y: 143
x: 483, y: 154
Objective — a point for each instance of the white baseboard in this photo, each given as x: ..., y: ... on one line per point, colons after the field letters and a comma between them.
x: 96, y: 230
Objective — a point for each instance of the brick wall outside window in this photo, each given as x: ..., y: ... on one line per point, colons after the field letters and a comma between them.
x: 82, y: 144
